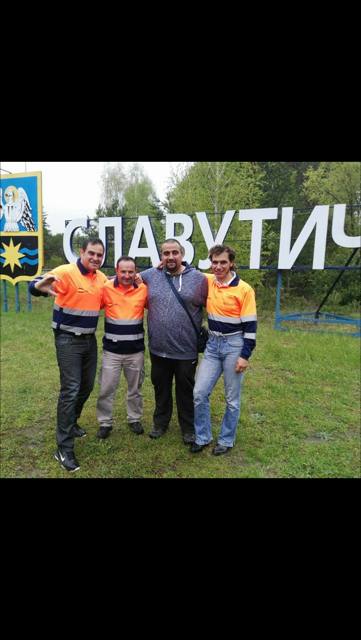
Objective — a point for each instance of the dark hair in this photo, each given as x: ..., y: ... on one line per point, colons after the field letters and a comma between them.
x: 88, y: 241
x: 125, y: 258
x: 173, y: 240
x: 222, y: 248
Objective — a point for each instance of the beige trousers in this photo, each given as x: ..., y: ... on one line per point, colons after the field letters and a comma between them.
x: 112, y: 365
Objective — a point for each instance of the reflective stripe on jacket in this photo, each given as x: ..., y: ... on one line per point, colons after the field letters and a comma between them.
x: 232, y: 309
x: 124, y: 313
x: 78, y: 300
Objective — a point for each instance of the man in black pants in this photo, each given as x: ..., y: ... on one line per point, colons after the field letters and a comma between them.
x: 172, y: 338
x: 77, y: 289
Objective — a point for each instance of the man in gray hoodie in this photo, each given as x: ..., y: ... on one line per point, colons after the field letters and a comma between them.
x: 172, y: 338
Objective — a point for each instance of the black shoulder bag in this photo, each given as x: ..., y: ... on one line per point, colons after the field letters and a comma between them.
x: 202, y: 335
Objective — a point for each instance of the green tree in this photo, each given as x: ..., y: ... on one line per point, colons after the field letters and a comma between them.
x: 282, y: 186
x: 214, y: 187
x: 217, y: 187
x: 282, y: 183
x: 337, y: 183
x: 55, y: 254
x: 129, y: 194
x: 140, y: 199
x: 114, y: 183
x: 53, y: 246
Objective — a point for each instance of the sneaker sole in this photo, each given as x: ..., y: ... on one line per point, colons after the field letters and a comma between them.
x: 70, y: 470
x: 61, y: 464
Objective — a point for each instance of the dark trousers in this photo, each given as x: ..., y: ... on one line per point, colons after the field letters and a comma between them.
x: 77, y: 360
x: 162, y: 373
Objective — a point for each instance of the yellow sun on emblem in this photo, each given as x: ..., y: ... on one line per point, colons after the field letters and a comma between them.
x: 12, y: 255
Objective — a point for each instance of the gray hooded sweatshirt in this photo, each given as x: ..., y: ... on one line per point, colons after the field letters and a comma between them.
x: 170, y: 331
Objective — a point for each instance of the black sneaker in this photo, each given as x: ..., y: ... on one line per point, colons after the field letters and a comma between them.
x: 136, y: 427
x: 189, y: 438
x: 104, y: 432
x: 78, y: 432
x: 67, y: 460
x: 157, y: 433
x: 220, y: 450
x: 196, y: 448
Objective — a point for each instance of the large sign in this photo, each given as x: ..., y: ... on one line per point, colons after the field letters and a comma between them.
x: 21, y: 227
x: 318, y: 221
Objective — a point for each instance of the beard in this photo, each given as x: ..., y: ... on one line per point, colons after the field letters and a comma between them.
x: 172, y: 266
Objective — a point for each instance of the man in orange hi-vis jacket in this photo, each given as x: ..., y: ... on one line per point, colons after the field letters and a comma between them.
x: 124, y: 302
x: 77, y: 289
x: 232, y: 322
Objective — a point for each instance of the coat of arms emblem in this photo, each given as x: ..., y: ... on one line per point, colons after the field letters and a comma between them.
x: 21, y: 227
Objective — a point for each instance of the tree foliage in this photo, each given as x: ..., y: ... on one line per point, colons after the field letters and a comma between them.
x: 53, y: 246
x: 128, y: 194
x: 334, y: 182
x: 217, y: 187
x: 282, y: 183
x: 114, y: 183
x: 337, y: 183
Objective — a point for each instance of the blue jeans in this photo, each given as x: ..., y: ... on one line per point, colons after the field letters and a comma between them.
x: 221, y: 356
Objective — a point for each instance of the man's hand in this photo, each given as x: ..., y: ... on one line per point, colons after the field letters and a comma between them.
x: 241, y: 365
x: 45, y: 285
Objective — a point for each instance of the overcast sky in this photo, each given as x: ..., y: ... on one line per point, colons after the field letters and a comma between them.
x: 73, y: 189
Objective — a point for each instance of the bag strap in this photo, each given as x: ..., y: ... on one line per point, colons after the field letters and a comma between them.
x: 181, y: 301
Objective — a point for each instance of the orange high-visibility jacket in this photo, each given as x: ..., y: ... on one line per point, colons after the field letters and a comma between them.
x: 124, y: 313
x: 232, y: 309
x: 78, y: 300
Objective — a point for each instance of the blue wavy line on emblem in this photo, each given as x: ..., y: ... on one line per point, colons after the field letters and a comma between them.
x: 2, y: 260
x: 28, y: 261
x: 30, y: 252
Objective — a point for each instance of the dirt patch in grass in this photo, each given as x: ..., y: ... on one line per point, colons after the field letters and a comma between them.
x: 321, y: 437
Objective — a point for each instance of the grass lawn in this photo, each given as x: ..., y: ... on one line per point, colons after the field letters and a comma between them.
x: 300, y: 411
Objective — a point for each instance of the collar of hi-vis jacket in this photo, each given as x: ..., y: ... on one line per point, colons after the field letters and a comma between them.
x: 228, y: 307
x: 123, y: 321
x: 232, y: 283
x: 118, y: 284
x: 83, y: 270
